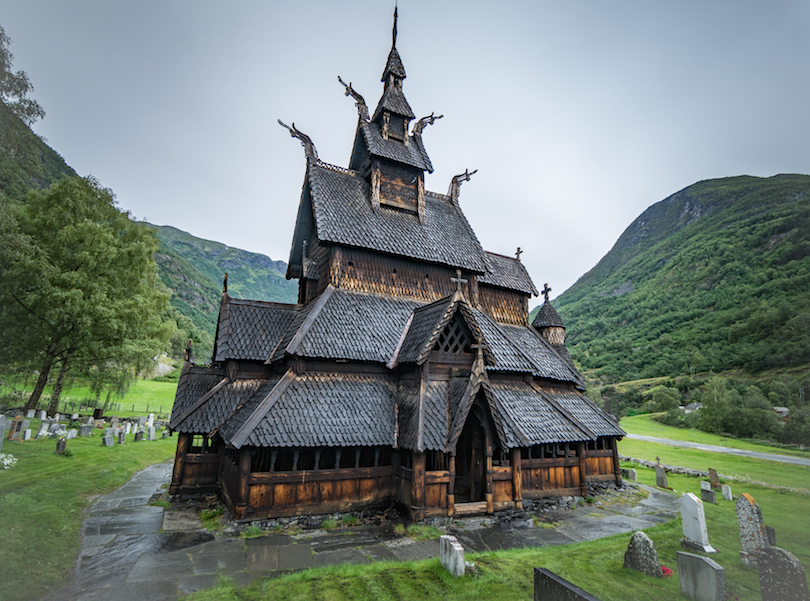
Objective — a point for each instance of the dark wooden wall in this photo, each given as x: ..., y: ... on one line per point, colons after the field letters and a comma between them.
x: 505, y: 306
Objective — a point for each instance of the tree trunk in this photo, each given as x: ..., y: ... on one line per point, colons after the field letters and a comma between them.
x: 53, y: 408
x: 33, y: 401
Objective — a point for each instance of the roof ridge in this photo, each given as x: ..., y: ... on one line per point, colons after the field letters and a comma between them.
x: 304, y: 329
x: 240, y: 436
x: 337, y: 168
x: 261, y: 303
x: 567, y: 414
x: 200, y: 402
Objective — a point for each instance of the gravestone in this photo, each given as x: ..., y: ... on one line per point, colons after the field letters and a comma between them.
x: 31, y: 413
x: 708, y: 496
x: 141, y: 421
x: 451, y: 554
x: 138, y: 436
x: 58, y: 417
x: 107, y: 440
x: 91, y: 421
x: 122, y: 437
x: 16, y: 428
x: 72, y: 433
x: 2, y: 430
x: 74, y: 417
x: 114, y: 421
x: 61, y: 444
x: 150, y: 421
x: 26, y: 434
x: 26, y: 424
x: 43, y: 430
x: 129, y: 428
x: 705, y: 485
x: 695, y: 535
x: 701, y: 578
x: 109, y: 431
x: 641, y: 555
x: 713, y: 479
x: 548, y: 586
x: 752, y: 530
x: 781, y: 576
x: 771, y: 534
x: 85, y: 430
x: 727, y: 496
x: 165, y: 434
x: 661, y: 477
x: 150, y: 433
x: 43, y: 415
x: 55, y: 427
x: 629, y: 473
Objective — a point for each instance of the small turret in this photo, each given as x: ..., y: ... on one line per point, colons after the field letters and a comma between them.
x: 549, y: 323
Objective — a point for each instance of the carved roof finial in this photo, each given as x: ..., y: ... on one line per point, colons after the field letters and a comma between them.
x: 394, y: 40
x: 225, y: 282
x: 423, y: 123
x: 455, y: 184
x: 518, y: 253
x: 359, y: 102
x: 546, y: 291
x: 187, y: 354
x: 306, y: 141
x: 458, y: 280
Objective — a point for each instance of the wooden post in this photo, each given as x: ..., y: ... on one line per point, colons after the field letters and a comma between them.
x: 517, y: 484
x: 488, y: 494
x: 583, y: 487
x: 183, y: 442
x: 451, y: 485
x: 244, y: 487
x: 418, y: 491
x: 617, y: 471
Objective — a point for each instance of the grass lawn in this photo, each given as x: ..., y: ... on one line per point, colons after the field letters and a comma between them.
x: 42, y: 499
x: 646, y: 426
x: 595, y: 566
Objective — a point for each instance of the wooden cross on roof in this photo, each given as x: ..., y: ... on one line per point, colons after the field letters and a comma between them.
x: 458, y: 280
x: 546, y: 291
x: 518, y: 253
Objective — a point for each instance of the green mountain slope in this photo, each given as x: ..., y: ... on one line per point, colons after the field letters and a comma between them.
x: 714, y: 277
x: 190, y: 267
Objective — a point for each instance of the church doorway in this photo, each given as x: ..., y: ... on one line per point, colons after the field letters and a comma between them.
x: 471, y: 461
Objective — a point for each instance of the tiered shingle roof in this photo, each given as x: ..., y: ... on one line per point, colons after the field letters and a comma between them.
x: 250, y: 329
x: 509, y: 273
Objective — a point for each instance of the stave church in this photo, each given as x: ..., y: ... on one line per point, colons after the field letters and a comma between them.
x: 408, y: 371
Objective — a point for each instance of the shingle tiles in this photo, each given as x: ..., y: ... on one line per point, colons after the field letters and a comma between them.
x: 548, y: 364
x: 508, y: 272
x: 252, y: 330
x: 220, y: 405
x: 584, y: 411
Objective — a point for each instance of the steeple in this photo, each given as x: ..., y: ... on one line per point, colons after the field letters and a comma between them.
x: 393, y: 113
x: 549, y: 323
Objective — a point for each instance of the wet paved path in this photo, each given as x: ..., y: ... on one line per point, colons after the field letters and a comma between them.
x: 131, y: 549
x: 715, y: 449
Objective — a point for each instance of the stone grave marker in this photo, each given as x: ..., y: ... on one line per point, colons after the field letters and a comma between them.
x: 16, y: 428
x: 114, y: 421
x: 695, y: 535
x: 701, y: 578
x: 139, y: 436
x: 705, y: 485
x: 26, y: 434
x: 31, y: 413
x: 661, y: 477
x: 107, y: 440
x: 713, y: 479
x: 74, y: 417
x: 58, y: 417
x: 165, y: 434
x: 85, y: 430
x: 752, y: 530
x: 122, y: 437
x: 43, y: 415
x: 708, y: 496
x: 629, y: 473
x: 550, y: 586
x: 2, y: 430
x: 61, y: 444
x: 141, y: 420
x: 642, y: 556
x: 150, y: 433
x: 26, y: 424
x: 451, y: 554
x: 91, y: 421
x: 781, y: 576
x: 150, y: 421
x: 72, y: 433
x: 55, y: 427
x: 129, y: 428
x: 727, y: 496
x: 109, y: 431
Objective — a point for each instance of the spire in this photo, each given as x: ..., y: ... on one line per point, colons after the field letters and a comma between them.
x: 394, y: 71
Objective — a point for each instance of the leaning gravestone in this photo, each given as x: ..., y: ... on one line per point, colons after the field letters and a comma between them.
x: 727, y: 496
x: 548, y: 586
x: 781, y: 576
x: 629, y: 473
x: 107, y: 440
x: 701, y: 578
x: 661, y: 477
x: 451, y: 554
x: 641, y: 555
x: 695, y: 535
x: 713, y: 479
x: 708, y: 496
x: 752, y: 530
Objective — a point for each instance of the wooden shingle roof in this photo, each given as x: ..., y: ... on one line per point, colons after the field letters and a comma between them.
x: 547, y: 317
x: 509, y: 273
x: 250, y: 329
x: 584, y: 411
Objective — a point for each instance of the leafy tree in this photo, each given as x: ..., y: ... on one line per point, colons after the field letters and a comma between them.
x: 715, y: 400
x: 664, y: 398
x: 78, y: 286
x: 14, y: 87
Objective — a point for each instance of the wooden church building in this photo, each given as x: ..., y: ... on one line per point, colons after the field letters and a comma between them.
x: 408, y: 370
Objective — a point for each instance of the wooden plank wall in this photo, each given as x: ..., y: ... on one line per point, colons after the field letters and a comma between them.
x: 274, y: 494
x: 504, y: 306
x: 549, y: 477
x: 599, y: 465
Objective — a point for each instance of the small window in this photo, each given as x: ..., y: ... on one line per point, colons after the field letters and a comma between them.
x: 306, y: 459
x: 347, y: 457
x: 367, y: 455
x: 197, y: 443
x: 327, y: 459
x: 284, y: 460
x: 385, y: 457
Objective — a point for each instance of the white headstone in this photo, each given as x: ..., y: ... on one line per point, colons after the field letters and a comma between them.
x: 150, y: 420
x: 701, y: 578
x: 695, y: 535
x: 752, y: 530
x: 129, y: 428
x: 43, y: 415
x: 58, y: 417
x: 451, y: 554
x: 150, y: 433
x: 27, y: 434
x: 727, y: 496
x: 705, y: 485
x: 72, y: 433
x: 107, y: 440
x: 122, y: 437
x: 31, y: 413
x: 74, y: 417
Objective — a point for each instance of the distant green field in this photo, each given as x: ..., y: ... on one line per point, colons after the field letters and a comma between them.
x: 644, y: 425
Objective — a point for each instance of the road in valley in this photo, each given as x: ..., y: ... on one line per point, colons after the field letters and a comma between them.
x: 715, y: 449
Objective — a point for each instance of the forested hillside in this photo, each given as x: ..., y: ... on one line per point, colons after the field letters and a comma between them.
x: 714, y: 277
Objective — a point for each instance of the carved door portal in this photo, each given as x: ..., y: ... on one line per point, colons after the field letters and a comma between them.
x: 470, y: 484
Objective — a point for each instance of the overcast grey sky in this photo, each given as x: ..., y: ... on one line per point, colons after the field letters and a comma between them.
x: 578, y: 115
